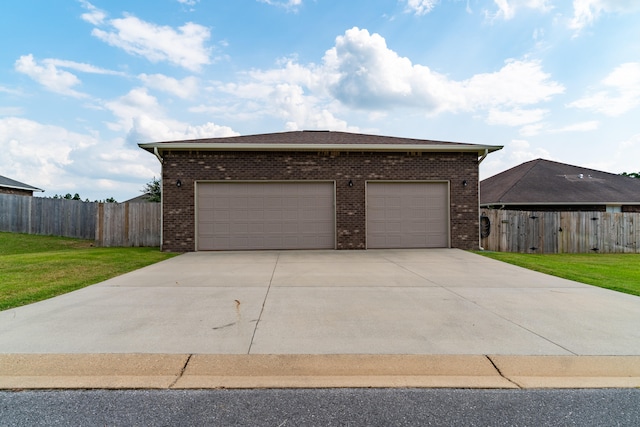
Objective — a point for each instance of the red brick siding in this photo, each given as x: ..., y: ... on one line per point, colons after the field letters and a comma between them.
x: 188, y: 167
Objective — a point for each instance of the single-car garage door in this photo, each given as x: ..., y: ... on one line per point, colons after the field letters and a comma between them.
x: 251, y: 215
x: 407, y: 215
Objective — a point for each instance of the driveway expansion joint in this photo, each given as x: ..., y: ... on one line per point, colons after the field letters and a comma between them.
x: 264, y: 302
x: 184, y: 368
x: 499, y: 372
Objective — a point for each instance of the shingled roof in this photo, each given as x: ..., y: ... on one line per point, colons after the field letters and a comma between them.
x: 546, y: 182
x: 316, y: 140
x: 12, y: 183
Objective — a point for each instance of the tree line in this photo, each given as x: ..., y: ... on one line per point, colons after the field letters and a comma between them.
x: 151, y: 191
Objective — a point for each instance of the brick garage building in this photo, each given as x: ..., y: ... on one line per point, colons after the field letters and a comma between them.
x: 318, y: 190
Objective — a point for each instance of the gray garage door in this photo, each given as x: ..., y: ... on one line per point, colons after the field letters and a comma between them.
x: 242, y: 215
x: 407, y: 215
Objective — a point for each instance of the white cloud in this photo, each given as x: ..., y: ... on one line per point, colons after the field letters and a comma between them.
x: 507, y: 8
x: 578, y: 127
x: 27, y: 158
x: 11, y: 111
x: 362, y: 72
x: 623, y: 157
x: 95, y: 16
x: 189, y: 2
x: 49, y: 76
x: 184, y: 88
x: 286, y: 4
x: 518, y: 83
x: 514, y: 153
x: 515, y: 117
x: 586, y: 12
x: 532, y: 129
x: 628, y: 153
x: 620, y: 93
x: 303, y: 112
x: 184, y: 46
x: 80, y: 66
x: 143, y: 119
x: 520, y: 150
x: 285, y: 99
x: 62, y: 161
x: 421, y: 7
x: 10, y: 91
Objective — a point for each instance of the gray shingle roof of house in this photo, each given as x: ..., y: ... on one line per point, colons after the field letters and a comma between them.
x: 547, y: 182
x: 315, y: 140
x: 12, y: 183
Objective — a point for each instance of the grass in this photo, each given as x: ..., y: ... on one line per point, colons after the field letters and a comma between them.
x: 618, y: 272
x: 34, y: 268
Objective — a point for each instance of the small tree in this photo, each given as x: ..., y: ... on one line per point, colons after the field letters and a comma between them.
x: 153, y: 190
x: 632, y: 174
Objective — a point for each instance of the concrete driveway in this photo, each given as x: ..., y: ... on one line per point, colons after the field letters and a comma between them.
x: 330, y: 302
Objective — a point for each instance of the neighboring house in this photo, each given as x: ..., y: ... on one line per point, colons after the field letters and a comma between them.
x: 10, y: 186
x: 318, y: 190
x: 143, y: 198
x: 544, y: 185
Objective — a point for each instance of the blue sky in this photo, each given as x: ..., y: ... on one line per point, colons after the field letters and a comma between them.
x: 82, y: 82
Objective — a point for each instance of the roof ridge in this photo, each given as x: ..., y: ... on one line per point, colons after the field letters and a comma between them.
x: 524, y: 174
x: 585, y: 169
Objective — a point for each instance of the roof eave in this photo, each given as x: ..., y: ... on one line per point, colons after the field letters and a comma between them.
x: 204, y: 146
x: 15, y: 187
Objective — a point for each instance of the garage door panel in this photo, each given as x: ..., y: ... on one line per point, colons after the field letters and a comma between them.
x: 207, y: 228
x: 265, y: 216
x: 407, y: 215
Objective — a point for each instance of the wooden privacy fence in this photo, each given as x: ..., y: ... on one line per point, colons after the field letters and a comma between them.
x: 108, y: 224
x: 560, y: 232
x: 128, y: 224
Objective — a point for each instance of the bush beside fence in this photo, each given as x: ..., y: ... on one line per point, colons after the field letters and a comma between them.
x: 561, y: 232
x: 108, y: 224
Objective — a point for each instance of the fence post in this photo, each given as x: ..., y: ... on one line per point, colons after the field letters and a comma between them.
x: 100, y: 225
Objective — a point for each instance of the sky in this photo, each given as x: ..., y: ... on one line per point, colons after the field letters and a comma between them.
x: 83, y: 82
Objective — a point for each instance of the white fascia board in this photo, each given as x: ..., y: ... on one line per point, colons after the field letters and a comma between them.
x: 22, y: 188
x: 166, y: 146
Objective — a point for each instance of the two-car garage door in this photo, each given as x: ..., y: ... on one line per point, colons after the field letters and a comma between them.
x: 301, y: 215
x: 275, y: 215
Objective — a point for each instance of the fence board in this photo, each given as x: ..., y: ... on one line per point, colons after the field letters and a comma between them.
x: 562, y: 232
x: 128, y: 224
x: 108, y: 224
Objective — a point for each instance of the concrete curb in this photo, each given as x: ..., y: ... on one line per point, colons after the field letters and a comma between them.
x: 206, y: 371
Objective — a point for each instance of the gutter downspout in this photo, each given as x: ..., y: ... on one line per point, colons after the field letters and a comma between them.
x: 156, y: 152
x: 484, y: 156
x: 486, y: 153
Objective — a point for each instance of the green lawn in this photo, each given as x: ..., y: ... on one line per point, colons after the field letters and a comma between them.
x: 34, y: 268
x: 618, y: 272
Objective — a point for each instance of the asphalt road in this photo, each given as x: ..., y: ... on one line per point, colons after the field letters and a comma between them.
x: 322, y: 407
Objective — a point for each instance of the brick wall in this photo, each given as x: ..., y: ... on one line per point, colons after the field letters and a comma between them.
x: 15, y: 191
x: 188, y: 167
x: 630, y: 208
